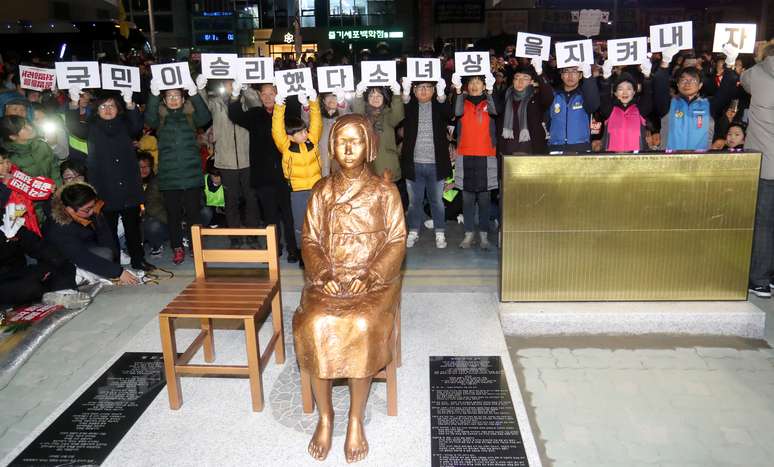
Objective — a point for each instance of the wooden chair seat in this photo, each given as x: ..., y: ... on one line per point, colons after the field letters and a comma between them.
x: 248, y: 299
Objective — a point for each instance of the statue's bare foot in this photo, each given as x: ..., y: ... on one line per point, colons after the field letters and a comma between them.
x: 356, y: 445
x: 321, y: 439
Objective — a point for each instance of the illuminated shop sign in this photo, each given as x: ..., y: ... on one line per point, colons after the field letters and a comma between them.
x: 363, y: 34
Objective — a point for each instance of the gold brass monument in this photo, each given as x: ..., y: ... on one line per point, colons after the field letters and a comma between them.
x: 624, y: 227
x: 353, y: 245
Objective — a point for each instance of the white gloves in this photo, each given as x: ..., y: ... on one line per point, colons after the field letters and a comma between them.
x: 154, y: 87
x: 279, y: 99
x: 303, y: 98
x: 75, y: 94
x: 537, y: 64
x: 12, y: 223
x: 646, y: 66
x: 667, y: 55
x: 236, y: 88
x: 127, y: 95
x: 456, y: 81
x: 585, y: 68
x: 395, y: 88
x: 311, y: 94
x: 406, y: 86
x: 201, y: 82
x: 340, y: 96
x: 489, y: 81
x: 731, y: 52
x: 440, y: 90
x: 192, y: 89
x: 360, y: 89
x: 607, y: 69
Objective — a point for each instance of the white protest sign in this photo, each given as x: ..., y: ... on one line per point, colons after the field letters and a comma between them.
x: 37, y: 79
x: 255, y: 70
x: 679, y: 35
x: 219, y: 66
x: 589, y: 22
x: 423, y: 69
x: 533, y: 46
x: 174, y: 75
x: 471, y: 63
x: 741, y: 36
x: 77, y: 75
x: 293, y: 82
x: 574, y: 53
x: 119, y: 77
x: 378, y: 73
x: 334, y: 78
x: 631, y: 51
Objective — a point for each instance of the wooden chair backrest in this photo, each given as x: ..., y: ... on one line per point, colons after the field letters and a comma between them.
x: 203, y: 256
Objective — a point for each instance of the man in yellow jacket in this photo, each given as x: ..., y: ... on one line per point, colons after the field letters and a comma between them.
x: 300, y: 153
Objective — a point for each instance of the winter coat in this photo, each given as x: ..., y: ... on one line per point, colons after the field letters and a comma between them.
x: 441, y: 118
x: 179, y: 160
x: 75, y: 240
x: 625, y: 125
x: 388, y: 157
x: 154, y: 202
x: 112, y: 161
x: 265, y: 158
x: 539, y: 103
x: 232, y: 142
x: 35, y: 159
x: 759, y: 82
x: 475, y: 126
x: 570, y: 115
x: 300, y: 162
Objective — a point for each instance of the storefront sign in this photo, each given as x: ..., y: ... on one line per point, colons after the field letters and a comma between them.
x: 363, y: 34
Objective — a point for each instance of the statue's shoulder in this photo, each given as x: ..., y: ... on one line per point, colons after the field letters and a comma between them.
x: 322, y: 184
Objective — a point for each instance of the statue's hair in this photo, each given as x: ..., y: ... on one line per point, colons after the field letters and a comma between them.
x: 365, y: 126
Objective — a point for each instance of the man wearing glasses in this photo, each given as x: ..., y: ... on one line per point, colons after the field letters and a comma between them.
x: 688, y: 119
x: 570, y: 113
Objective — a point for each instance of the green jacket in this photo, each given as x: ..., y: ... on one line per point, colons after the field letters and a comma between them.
x: 154, y: 202
x: 180, y: 166
x: 388, y: 157
x: 35, y: 159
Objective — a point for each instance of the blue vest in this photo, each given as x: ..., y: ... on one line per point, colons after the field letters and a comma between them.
x: 689, y: 125
x: 569, y: 122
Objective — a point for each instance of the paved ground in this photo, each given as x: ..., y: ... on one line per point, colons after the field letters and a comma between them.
x: 652, y: 401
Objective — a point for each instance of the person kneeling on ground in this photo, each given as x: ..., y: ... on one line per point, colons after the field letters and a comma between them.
x: 80, y: 231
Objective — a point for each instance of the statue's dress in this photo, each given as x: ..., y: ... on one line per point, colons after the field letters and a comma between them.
x: 352, y: 226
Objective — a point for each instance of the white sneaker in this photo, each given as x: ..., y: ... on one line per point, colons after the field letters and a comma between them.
x: 484, y: 240
x: 440, y: 239
x: 467, y: 242
x: 429, y: 224
x: 412, y: 238
x: 460, y: 219
x: 125, y: 259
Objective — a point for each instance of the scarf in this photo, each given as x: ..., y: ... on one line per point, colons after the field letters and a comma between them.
x: 523, y: 98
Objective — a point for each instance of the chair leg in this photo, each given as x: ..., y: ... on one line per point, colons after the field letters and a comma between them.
x: 254, y: 364
x: 276, y: 319
x: 392, y: 388
x: 169, y: 349
x: 306, y: 392
x: 209, y: 343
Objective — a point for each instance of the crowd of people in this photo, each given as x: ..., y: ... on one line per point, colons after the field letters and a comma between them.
x: 133, y: 171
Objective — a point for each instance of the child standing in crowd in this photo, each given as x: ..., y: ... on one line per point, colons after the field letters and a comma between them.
x: 154, y: 216
x: 180, y: 172
x: 624, y: 110
x: 214, y: 195
x: 300, y: 154
x: 570, y: 114
x: 476, y: 166
x: 735, y: 137
x: 384, y: 109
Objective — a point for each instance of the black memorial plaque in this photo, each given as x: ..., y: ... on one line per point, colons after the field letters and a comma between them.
x: 472, y: 421
x: 94, y: 424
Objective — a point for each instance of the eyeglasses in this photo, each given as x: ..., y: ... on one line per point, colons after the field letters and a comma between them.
x: 107, y: 107
x: 173, y: 98
x: 687, y: 81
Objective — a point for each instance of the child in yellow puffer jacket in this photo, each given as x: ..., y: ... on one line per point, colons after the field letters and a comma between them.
x: 300, y: 153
